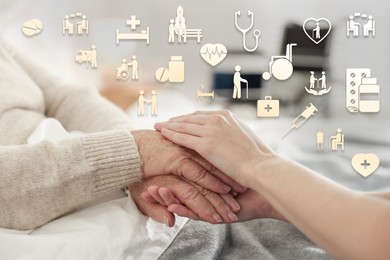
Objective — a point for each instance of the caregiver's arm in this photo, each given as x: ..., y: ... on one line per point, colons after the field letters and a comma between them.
x: 348, y: 224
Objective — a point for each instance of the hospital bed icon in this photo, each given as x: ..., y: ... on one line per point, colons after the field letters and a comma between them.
x: 133, y: 23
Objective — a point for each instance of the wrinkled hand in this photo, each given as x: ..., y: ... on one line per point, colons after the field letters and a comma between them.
x: 161, y: 157
x: 199, y: 202
x: 252, y: 205
x: 220, y: 139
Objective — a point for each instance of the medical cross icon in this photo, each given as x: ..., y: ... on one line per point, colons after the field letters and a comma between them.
x: 133, y: 22
x: 268, y: 108
x: 365, y: 164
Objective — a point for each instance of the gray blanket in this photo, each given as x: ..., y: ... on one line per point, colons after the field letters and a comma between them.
x: 256, y: 239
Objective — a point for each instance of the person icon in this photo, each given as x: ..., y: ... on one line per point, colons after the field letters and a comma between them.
x: 369, y: 27
x: 67, y: 25
x: 134, y: 68
x: 353, y: 27
x: 180, y: 23
x: 323, y: 80
x: 141, y: 103
x: 317, y: 31
x: 171, y: 37
x: 237, y: 82
x: 93, y: 57
x: 337, y: 140
x: 122, y: 72
x: 312, y: 80
x: 153, y: 101
x: 320, y: 141
x: 82, y: 25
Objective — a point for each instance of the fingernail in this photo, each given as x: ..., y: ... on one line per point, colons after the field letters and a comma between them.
x: 227, y: 188
x: 235, y: 206
x: 234, y: 193
x: 166, y: 221
x: 232, y: 216
x: 217, y: 218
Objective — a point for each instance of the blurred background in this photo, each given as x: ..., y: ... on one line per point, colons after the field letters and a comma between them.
x: 280, y: 23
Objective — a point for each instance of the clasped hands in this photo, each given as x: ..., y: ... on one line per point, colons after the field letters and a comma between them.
x: 178, y: 180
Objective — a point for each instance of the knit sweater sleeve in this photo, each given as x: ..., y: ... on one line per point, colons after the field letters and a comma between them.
x: 41, y: 182
x: 44, y: 181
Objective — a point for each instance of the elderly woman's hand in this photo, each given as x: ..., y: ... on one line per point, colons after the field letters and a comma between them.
x: 252, y: 204
x: 199, y: 203
x: 161, y: 157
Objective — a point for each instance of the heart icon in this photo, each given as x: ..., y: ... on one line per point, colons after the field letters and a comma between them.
x: 213, y: 54
x: 365, y: 164
x: 316, y: 29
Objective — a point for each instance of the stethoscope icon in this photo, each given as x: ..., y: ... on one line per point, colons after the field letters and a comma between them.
x: 256, y: 33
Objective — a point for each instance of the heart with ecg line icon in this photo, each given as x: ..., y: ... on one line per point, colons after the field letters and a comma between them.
x: 317, y: 29
x: 213, y: 54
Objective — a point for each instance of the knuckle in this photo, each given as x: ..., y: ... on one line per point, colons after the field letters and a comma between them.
x: 201, y: 175
x: 190, y: 194
x: 213, y: 169
x: 206, y: 192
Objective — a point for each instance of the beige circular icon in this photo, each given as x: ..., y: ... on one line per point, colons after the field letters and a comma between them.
x: 162, y: 74
x: 32, y: 27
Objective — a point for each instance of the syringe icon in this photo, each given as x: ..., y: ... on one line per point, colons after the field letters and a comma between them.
x: 308, y: 112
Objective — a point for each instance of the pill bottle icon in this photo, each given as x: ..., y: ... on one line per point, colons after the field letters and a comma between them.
x: 175, y: 73
x: 369, y: 96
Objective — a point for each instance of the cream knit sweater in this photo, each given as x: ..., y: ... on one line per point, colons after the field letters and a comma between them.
x: 41, y: 182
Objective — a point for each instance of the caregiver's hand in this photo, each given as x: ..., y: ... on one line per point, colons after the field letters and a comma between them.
x: 219, y: 138
x: 200, y: 203
x: 161, y: 157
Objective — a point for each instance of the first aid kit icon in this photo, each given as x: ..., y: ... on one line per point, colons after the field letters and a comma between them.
x: 267, y: 107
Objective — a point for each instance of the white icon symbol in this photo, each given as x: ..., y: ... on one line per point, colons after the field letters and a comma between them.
x: 213, y: 54
x: 365, y: 164
x: 320, y: 141
x: 362, y: 91
x: 267, y: 107
x: 122, y: 72
x: 133, y: 23
x: 142, y: 101
x: 90, y: 57
x: 200, y: 94
x: 81, y: 24
x: 315, y: 84
x: 281, y: 67
x: 178, y: 27
x: 256, y: 33
x: 317, y: 29
x: 175, y: 72
x: 337, y: 140
x: 356, y: 28
x: 32, y: 27
x: 299, y: 120
x: 237, y: 83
